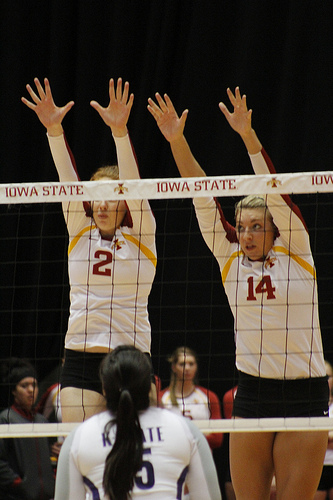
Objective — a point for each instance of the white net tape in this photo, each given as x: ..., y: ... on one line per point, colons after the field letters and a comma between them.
x: 206, y: 426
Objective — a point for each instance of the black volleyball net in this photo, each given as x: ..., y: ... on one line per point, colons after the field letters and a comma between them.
x: 187, y: 303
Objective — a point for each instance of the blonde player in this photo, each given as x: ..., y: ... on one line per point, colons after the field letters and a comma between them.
x: 111, y: 256
x: 269, y: 277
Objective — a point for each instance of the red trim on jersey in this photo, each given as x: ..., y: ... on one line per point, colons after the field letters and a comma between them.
x: 231, y: 234
x: 228, y: 402
x: 86, y: 204
x: 16, y: 482
x: 127, y: 220
x: 134, y: 154
x: 71, y: 157
x: 285, y: 197
x: 129, y: 223
x: 215, y: 439
x: 41, y: 404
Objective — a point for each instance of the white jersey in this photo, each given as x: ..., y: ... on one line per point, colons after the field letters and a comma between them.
x: 201, y: 404
x: 195, y: 406
x: 110, y: 281
x: 274, y: 303
x: 174, y: 451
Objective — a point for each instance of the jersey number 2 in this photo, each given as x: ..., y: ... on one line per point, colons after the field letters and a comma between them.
x: 105, y: 259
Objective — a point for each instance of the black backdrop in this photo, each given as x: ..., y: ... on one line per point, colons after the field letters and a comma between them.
x: 279, y: 53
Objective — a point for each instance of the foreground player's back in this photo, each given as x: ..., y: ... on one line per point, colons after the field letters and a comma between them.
x: 174, y: 451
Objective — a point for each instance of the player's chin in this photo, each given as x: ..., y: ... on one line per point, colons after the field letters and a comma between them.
x: 250, y: 251
x: 254, y: 255
x: 103, y: 224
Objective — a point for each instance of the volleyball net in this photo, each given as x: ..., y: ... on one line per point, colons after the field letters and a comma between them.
x: 187, y: 304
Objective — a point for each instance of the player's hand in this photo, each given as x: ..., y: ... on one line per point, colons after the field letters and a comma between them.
x: 168, y: 121
x: 116, y: 114
x: 240, y: 118
x: 43, y: 105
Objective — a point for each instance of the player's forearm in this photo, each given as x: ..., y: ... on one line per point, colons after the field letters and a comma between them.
x: 185, y: 161
x: 252, y: 143
x: 62, y: 158
x: 128, y: 168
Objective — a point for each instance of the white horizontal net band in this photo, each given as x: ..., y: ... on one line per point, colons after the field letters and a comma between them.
x: 238, y: 185
x: 206, y: 426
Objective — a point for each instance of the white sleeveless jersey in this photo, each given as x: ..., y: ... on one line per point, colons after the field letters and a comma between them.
x: 274, y: 303
x: 174, y: 451
x: 110, y: 281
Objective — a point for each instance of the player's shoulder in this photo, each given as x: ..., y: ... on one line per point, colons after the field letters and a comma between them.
x: 207, y: 392
x: 92, y: 425
x: 164, y: 391
x: 164, y: 394
x: 162, y: 416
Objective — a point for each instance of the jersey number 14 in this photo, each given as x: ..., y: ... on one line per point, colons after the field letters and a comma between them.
x: 264, y: 286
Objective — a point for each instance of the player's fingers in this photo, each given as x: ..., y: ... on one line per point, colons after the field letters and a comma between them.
x: 97, y: 107
x: 39, y: 88
x: 32, y: 94
x: 153, y: 108
x: 119, y: 89
x: 224, y: 109
x: 28, y: 103
x: 169, y: 103
x: 111, y: 90
x: 231, y: 96
x: 125, y: 93
x: 161, y: 102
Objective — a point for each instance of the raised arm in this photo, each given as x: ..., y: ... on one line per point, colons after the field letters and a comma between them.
x: 240, y: 120
x: 286, y: 214
x: 51, y: 117
x: 172, y: 127
x: 115, y: 115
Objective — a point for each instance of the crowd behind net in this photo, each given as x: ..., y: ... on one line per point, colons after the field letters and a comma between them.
x: 187, y: 305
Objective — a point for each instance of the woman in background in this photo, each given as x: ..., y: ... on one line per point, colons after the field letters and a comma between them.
x: 185, y: 396
x: 26, y: 472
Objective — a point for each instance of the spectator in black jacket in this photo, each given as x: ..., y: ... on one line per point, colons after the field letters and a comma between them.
x: 26, y: 472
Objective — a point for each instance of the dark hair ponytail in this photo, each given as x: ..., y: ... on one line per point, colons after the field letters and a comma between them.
x: 126, y: 378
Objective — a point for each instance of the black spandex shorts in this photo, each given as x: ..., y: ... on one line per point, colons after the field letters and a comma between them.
x: 268, y: 398
x: 326, y: 480
x: 81, y: 370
